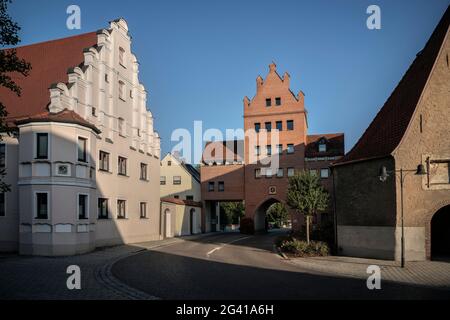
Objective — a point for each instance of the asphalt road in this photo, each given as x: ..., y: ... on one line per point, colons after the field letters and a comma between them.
x: 235, y: 266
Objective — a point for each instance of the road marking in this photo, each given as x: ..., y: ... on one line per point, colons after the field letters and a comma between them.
x: 225, y: 244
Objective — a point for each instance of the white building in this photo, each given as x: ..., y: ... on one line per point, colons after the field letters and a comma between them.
x: 83, y: 163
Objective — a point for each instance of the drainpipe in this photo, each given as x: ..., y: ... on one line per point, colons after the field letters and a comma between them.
x: 336, y: 247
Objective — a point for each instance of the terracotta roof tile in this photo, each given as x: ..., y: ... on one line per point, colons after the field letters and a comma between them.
x: 387, y: 129
x: 49, y: 61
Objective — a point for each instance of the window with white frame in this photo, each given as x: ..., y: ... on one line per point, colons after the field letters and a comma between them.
x: 162, y: 180
x: 103, y: 208
x: 2, y: 204
x: 83, y: 205
x: 177, y: 180
x: 82, y: 152
x: 104, y: 161
x: 322, y: 147
x: 42, y: 145
x: 280, y: 173
x: 290, y: 148
x: 122, y: 166
x: 143, y: 171
x: 41, y: 205
x: 121, y: 209
x: 143, y: 210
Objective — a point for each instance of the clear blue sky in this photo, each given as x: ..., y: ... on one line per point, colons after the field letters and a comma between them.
x: 198, y: 59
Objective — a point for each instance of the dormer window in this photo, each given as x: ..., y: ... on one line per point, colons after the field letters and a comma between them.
x: 322, y: 146
x: 122, y: 56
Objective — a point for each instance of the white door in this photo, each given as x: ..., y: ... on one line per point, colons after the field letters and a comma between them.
x: 168, y: 224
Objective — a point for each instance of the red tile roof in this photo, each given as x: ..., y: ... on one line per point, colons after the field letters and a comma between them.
x: 49, y: 61
x: 64, y: 116
x: 334, y: 142
x: 387, y: 129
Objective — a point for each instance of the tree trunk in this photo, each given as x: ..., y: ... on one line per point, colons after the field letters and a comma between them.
x: 307, y: 229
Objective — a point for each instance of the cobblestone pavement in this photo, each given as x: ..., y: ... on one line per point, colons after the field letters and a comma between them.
x: 27, y: 277
x: 433, y: 274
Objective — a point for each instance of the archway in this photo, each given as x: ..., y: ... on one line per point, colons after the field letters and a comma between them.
x: 440, y: 234
x: 260, y: 219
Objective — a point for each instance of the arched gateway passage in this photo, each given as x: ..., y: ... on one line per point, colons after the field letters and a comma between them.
x: 440, y: 234
x: 261, y: 223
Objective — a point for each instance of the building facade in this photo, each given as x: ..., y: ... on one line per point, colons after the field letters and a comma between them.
x: 276, y: 145
x: 408, y: 138
x: 83, y: 162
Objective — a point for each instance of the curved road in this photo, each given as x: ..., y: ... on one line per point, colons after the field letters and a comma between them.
x: 235, y: 266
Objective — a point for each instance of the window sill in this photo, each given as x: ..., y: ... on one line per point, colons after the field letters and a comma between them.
x: 104, y: 219
x: 123, y: 175
x: 144, y: 218
x: 122, y: 218
x: 83, y: 219
x: 104, y: 171
x: 144, y: 180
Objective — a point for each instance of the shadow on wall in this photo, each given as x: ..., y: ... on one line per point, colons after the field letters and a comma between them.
x: 67, y: 203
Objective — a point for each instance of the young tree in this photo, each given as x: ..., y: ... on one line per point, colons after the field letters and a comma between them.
x: 233, y: 210
x: 9, y: 64
x: 278, y: 213
x: 306, y: 196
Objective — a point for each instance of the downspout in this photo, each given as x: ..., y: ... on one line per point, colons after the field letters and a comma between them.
x: 335, y: 212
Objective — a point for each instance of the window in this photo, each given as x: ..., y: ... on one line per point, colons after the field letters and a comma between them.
x: 290, y: 172
x: 42, y: 145
x: 2, y: 155
x: 221, y: 186
x: 121, y: 56
x: 2, y: 204
x: 269, y: 150
x: 143, y: 210
x: 324, y: 173
x: 279, y: 125
x: 143, y: 171
x: 162, y: 180
x: 280, y: 149
x: 121, y: 209
x: 322, y: 147
x: 313, y: 172
x: 169, y: 163
x: 121, y: 90
x: 268, y: 126
x: 106, y: 78
x: 121, y: 126
x: 258, y: 173
x: 131, y: 94
x: 268, y: 102
x: 280, y: 173
x: 82, y: 206
x: 176, y: 179
x: 82, y: 143
x: 176, y: 196
x: 269, y: 173
x: 257, y: 150
x: 257, y: 127
x: 41, y: 205
x: 191, y: 198
x: 94, y: 112
x: 122, y: 166
x: 290, y: 125
x: 211, y: 186
x: 104, y: 161
x: 103, y: 208
x: 278, y: 101
x: 290, y: 148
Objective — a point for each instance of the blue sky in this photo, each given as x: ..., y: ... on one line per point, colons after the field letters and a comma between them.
x: 198, y: 59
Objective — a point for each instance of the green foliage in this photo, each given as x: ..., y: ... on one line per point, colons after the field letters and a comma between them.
x: 278, y: 214
x: 302, y: 248
x: 9, y: 64
x: 233, y: 211
x: 306, y: 196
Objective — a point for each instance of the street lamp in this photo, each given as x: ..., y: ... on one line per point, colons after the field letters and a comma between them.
x: 383, y: 176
